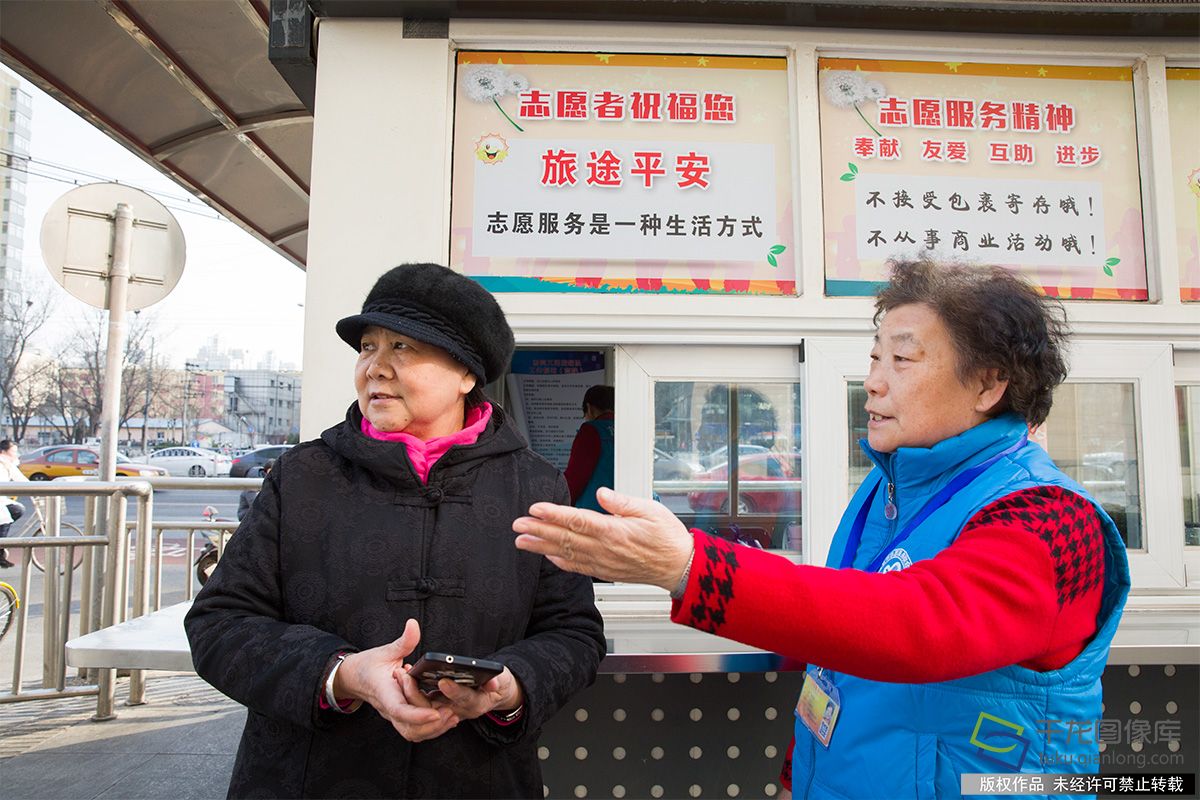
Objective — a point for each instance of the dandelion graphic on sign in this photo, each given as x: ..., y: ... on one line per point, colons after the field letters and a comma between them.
x: 490, y: 82
x: 846, y: 89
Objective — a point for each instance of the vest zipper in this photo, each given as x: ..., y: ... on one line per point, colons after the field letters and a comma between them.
x: 891, y: 512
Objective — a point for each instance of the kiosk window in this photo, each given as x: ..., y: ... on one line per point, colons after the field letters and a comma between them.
x: 727, y: 458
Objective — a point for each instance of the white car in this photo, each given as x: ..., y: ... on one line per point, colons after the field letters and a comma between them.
x: 190, y: 461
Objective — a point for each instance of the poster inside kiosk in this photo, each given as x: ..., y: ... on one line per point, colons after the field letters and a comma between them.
x: 545, y: 394
x: 595, y: 172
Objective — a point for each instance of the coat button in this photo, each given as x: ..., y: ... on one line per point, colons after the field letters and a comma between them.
x: 426, y: 586
x: 434, y: 494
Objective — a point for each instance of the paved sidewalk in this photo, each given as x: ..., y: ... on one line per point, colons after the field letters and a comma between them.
x: 180, y: 745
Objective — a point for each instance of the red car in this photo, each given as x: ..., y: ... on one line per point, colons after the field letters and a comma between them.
x: 768, y: 483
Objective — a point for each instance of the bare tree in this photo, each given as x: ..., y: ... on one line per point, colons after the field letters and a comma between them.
x: 32, y: 386
x: 77, y: 394
x: 61, y: 407
x: 22, y: 318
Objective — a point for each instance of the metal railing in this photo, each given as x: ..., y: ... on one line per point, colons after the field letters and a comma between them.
x: 144, y: 600
x: 103, y: 589
x: 105, y: 583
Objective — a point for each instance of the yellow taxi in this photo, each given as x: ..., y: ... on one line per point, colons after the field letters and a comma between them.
x: 70, y: 460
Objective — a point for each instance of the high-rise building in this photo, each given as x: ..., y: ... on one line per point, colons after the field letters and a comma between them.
x: 16, y: 111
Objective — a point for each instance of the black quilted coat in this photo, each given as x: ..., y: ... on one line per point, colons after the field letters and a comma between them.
x: 342, y: 546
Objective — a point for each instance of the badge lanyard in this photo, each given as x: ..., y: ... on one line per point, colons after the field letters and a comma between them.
x: 937, y: 501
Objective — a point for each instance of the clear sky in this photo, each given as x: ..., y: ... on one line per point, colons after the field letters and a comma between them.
x: 232, y: 285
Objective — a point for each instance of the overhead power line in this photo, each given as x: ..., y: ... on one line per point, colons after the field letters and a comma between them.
x: 164, y: 196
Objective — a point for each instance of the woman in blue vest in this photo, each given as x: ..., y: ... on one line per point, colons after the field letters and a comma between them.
x: 963, y: 619
x: 591, y: 463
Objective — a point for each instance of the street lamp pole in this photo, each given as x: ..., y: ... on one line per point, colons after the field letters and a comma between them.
x: 188, y: 366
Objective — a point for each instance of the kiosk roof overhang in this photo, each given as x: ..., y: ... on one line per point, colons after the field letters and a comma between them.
x: 188, y: 87
x: 1046, y: 17
x: 218, y: 94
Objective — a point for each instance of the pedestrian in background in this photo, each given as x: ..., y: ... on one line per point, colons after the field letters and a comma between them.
x: 10, y: 509
x: 592, y: 453
x: 246, y: 498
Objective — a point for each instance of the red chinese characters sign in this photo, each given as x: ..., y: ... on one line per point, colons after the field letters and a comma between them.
x: 1031, y: 167
x: 622, y: 172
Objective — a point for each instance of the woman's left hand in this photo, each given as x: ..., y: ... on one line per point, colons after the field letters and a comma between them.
x: 638, y: 541
x: 501, y: 692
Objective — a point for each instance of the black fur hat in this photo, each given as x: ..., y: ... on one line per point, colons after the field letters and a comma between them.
x: 439, y: 306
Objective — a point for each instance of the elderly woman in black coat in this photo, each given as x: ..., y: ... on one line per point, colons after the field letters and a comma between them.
x: 388, y: 537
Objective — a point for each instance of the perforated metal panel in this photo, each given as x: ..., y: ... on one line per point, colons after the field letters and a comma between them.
x: 672, y: 736
x: 719, y: 735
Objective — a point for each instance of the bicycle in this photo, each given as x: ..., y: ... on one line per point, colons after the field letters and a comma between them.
x: 33, y: 525
x: 9, y: 603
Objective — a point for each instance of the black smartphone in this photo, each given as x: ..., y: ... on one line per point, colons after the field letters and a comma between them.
x: 463, y: 670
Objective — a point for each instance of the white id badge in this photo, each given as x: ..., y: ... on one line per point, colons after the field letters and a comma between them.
x: 819, y: 705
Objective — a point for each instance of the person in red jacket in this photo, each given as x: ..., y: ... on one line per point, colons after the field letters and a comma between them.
x: 1022, y: 582
x: 591, y: 463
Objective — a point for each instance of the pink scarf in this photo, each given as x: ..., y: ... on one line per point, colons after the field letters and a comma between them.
x: 424, y: 455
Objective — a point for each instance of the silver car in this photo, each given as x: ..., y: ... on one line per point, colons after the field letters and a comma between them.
x: 193, y: 462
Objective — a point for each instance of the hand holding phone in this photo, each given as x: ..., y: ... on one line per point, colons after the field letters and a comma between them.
x: 463, y: 670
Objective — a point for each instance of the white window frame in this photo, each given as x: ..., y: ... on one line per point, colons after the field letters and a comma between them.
x: 1186, y: 373
x: 833, y: 362
x: 639, y: 367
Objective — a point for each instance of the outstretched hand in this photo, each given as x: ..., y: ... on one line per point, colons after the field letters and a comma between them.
x: 639, y: 541
x: 378, y: 676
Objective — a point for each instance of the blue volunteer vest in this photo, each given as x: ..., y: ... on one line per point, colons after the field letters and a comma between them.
x: 602, y: 475
x: 916, y: 740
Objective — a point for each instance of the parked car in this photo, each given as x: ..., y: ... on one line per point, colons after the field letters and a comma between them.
x: 37, y: 451
x: 251, y: 464
x: 191, y: 461
x: 754, y: 469
x: 721, y: 454
x: 672, y: 468
x: 77, y: 460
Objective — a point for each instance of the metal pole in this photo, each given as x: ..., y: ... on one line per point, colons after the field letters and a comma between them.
x: 22, y: 620
x: 112, y: 612
x: 141, y: 597
x: 94, y: 560
x: 187, y: 380
x: 118, y: 292
x: 64, y: 629
x: 52, y: 652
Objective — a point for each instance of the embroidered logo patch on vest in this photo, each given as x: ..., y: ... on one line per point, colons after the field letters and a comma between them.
x: 896, y: 560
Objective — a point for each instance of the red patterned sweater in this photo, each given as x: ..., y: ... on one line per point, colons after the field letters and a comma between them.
x: 1020, y: 585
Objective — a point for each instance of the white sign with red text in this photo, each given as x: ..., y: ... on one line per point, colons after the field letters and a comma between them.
x: 625, y: 200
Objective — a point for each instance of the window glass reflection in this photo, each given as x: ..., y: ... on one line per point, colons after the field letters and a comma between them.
x: 727, y: 459
x: 1092, y: 436
x: 860, y: 465
x: 1187, y: 401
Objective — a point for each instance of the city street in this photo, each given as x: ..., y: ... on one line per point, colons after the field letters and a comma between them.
x: 168, y: 504
x: 184, y: 506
